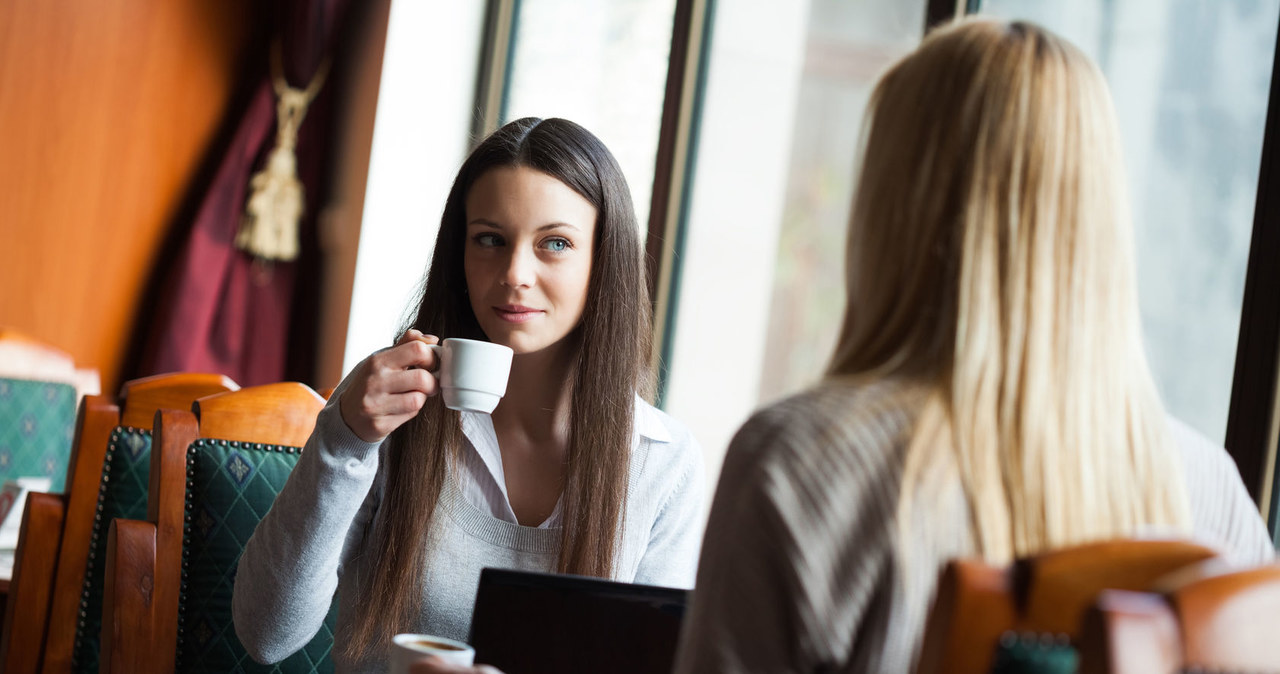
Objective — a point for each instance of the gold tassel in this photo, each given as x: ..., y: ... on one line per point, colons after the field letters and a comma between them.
x: 269, y: 228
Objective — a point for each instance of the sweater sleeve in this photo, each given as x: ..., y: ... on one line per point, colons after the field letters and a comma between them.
x: 289, y: 571
x: 671, y: 557
x: 783, y: 583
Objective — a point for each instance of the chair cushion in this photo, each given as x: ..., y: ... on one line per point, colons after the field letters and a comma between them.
x: 37, y: 422
x: 1035, y: 654
x: 230, y: 487
x: 123, y: 494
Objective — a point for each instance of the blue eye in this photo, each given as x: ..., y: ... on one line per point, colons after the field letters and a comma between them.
x: 487, y: 240
x: 557, y: 245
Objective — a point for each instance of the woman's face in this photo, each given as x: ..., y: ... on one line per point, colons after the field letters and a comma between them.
x: 527, y: 257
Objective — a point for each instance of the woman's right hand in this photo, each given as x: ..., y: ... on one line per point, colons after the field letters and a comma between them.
x: 389, y: 387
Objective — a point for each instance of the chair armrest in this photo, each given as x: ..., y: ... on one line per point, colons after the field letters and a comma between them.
x: 128, y: 621
x: 1127, y: 632
x: 32, y: 586
x: 97, y: 419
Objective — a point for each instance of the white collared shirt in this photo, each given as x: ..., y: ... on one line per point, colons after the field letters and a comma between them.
x: 481, y: 477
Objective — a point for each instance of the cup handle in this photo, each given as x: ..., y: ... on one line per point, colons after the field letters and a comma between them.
x: 439, y: 352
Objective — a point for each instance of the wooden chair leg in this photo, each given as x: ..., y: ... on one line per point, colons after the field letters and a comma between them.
x: 27, y: 607
x: 127, y: 600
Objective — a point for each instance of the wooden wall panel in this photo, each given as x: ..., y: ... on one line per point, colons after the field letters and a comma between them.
x: 106, y: 109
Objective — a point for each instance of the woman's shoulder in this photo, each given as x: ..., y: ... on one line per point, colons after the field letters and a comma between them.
x: 654, y: 424
x: 840, y: 408
x: 1204, y: 459
x: 1222, y: 512
x: 668, y: 440
x: 837, y: 427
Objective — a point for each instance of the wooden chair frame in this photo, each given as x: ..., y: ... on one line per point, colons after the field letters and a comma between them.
x: 27, y: 606
x: 52, y: 559
x: 976, y: 602
x: 1215, y: 620
x: 141, y: 602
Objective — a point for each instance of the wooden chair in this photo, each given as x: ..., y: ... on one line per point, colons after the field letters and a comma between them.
x: 1040, y: 601
x: 26, y: 608
x: 214, y: 473
x: 39, y: 389
x: 50, y: 560
x: 1220, y: 622
x: 112, y: 440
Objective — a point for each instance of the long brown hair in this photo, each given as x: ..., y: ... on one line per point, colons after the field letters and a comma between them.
x: 612, y: 343
x: 990, y: 262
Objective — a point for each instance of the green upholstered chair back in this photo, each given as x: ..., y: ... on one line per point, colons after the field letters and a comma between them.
x: 123, y: 493
x: 1031, y: 653
x: 37, y: 422
x: 230, y: 487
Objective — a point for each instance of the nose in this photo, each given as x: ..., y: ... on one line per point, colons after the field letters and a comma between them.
x: 519, y: 271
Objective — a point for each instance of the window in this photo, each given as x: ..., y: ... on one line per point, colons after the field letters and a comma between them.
x: 602, y: 65
x: 761, y: 290
x: 1190, y: 81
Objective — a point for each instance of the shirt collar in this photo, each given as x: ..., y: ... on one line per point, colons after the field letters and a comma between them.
x: 647, y: 419
x: 648, y: 422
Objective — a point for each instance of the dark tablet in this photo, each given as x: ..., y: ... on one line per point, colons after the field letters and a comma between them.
x: 531, y: 623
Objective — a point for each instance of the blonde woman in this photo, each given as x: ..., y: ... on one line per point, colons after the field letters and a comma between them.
x: 989, y: 393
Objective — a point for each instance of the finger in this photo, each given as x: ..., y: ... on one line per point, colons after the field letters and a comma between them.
x: 410, y: 381
x: 406, y: 404
x: 427, y: 666
x: 409, y: 335
x: 415, y: 353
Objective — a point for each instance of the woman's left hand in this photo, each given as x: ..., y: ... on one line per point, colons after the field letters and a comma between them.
x: 434, y: 665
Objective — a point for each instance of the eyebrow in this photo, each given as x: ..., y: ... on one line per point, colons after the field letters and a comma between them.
x: 543, y: 228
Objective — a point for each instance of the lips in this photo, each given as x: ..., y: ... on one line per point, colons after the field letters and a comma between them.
x: 516, y: 313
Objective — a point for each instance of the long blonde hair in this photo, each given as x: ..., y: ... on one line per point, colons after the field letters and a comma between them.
x: 990, y: 262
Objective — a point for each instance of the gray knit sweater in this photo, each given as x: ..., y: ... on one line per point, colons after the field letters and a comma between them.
x: 801, y: 567
x: 315, y: 540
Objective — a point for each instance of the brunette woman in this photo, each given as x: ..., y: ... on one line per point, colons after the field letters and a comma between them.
x: 397, y: 502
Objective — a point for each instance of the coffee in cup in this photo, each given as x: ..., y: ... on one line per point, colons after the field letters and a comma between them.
x: 472, y: 374
x: 407, y: 649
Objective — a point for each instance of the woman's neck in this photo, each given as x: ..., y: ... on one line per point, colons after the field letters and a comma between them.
x: 539, y: 391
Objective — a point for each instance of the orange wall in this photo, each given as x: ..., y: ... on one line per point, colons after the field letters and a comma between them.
x: 106, y: 109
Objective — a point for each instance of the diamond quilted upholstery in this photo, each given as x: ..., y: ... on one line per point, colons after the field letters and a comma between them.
x: 230, y: 486
x: 37, y: 422
x: 123, y: 493
x: 1032, y: 653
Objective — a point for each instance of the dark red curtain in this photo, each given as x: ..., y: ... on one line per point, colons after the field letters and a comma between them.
x: 218, y: 309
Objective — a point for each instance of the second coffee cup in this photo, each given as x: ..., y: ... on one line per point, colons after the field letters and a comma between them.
x: 407, y: 649
x: 472, y: 374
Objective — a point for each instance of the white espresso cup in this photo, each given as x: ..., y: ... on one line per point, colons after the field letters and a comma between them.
x: 407, y: 649
x: 472, y: 374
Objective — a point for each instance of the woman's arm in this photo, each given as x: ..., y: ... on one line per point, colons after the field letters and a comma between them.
x: 744, y: 615
x: 796, y: 569
x: 289, y: 571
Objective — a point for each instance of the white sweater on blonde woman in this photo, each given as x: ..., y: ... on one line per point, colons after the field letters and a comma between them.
x: 802, y: 569
x: 315, y: 540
